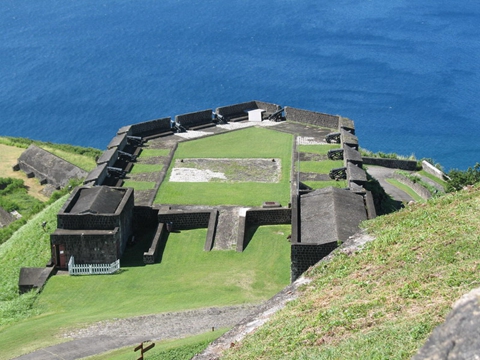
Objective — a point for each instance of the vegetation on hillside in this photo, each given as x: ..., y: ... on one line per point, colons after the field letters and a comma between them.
x: 383, y: 301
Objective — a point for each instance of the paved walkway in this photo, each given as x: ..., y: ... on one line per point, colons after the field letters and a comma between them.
x: 382, y: 174
x: 109, y: 335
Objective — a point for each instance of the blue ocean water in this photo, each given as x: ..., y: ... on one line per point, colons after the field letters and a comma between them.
x: 407, y: 72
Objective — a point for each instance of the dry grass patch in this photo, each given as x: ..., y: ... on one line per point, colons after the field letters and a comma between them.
x: 8, y: 158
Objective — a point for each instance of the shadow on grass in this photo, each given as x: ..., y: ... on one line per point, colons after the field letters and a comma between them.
x: 249, y: 234
x: 133, y: 255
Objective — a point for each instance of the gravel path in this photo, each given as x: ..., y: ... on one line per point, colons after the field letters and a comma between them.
x: 112, y: 334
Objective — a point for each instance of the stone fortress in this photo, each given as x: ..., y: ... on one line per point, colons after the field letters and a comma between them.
x: 94, y: 225
x: 101, y: 217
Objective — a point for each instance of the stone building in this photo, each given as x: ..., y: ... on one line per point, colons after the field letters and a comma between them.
x: 94, y: 226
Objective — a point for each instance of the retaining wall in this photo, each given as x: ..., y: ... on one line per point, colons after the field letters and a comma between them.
x: 419, y: 189
x: 409, y: 165
x: 303, y: 256
x: 183, y: 220
x: 311, y: 117
x: 432, y: 170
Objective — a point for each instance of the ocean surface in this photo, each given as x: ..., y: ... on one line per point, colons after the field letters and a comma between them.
x: 406, y: 71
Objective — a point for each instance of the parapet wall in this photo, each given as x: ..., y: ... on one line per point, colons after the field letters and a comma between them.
x: 432, y: 170
x: 409, y: 165
x: 249, y: 105
x: 195, y: 118
x: 312, y: 117
x: 152, y: 126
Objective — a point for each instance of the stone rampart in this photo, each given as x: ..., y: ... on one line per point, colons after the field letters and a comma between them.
x: 419, y: 189
x: 108, y: 157
x: 97, y: 176
x: 195, y: 119
x: 144, y: 217
x: 119, y: 142
x: 312, y: 118
x: 346, y: 124
x: 409, y: 165
x: 303, y: 256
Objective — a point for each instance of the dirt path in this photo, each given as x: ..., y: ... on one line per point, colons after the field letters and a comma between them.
x: 113, y: 334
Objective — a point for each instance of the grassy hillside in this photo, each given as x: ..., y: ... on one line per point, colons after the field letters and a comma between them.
x: 381, y: 302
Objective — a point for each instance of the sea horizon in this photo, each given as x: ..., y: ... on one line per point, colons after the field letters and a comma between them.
x: 405, y: 72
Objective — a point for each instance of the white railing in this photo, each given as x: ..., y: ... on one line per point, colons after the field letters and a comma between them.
x: 92, y: 269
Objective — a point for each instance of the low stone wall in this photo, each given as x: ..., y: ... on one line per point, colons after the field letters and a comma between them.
x: 419, y: 189
x: 159, y: 239
x: 432, y: 170
x: 409, y: 165
x: 185, y: 220
x: 303, y: 256
x: 108, y: 157
x: 268, y: 216
x: 195, y: 119
x: 370, y: 205
x: 311, y: 117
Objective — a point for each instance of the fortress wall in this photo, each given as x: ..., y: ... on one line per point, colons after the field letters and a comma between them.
x: 303, y: 256
x: 268, y: 107
x: 419, y: 189
x: 311, y: 117
x: 409, y: 165
x: 119, y: 142
x: 183, y: 220
x: 151, y: 126
x: 195, y: 118
x: 144, y: 217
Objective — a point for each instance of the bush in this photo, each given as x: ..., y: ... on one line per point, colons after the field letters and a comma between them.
x: 459, y: 179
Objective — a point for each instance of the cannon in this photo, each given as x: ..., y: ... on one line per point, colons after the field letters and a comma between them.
x: 276, y: 116
x: 135, y: 140
x: 115, y: 171
x: 123, y: 154
x: 333, y: 138
x: 338, y: 173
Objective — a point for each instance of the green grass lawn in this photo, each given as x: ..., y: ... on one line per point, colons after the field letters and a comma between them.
x: 186, y: 278
x: 405, y: 188
x: 146, y: 152
x: 182, y: 349
x: 247, y: 143
x: 317, y: 149
x: 320, y: 167
x: 145, y: 168
x: 139, y: 185
x: 323, y: 184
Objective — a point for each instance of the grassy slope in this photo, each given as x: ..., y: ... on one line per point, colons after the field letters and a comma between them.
x: 382, y: 302
x: 247, y: 143
x: 211, y: 279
